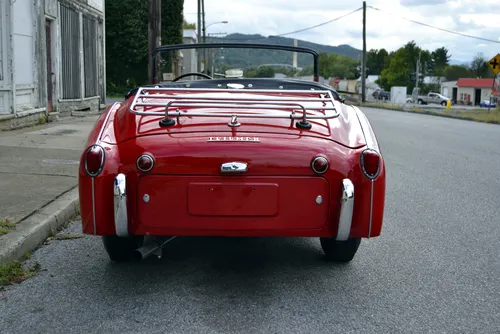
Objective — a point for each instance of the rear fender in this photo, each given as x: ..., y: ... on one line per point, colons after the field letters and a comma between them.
x: 369, y: 195
x: 95, y: 219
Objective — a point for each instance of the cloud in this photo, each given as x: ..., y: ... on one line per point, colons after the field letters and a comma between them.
x: 386, y: 28
x: 411, y: 3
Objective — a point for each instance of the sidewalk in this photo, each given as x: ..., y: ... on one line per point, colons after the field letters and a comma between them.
x: 38, y: 181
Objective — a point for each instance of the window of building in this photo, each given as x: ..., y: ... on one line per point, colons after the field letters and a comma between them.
x: 70, y: 53
x: 90, y: 56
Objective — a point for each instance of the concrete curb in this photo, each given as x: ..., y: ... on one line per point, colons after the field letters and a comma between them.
x: 32, y: 231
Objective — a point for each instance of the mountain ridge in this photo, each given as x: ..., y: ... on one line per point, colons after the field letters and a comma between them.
x: 342, y: 49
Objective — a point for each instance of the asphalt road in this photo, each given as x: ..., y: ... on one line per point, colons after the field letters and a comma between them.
x: 435, y: 268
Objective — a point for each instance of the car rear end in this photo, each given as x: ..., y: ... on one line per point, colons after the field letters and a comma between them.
x: 201, y: 176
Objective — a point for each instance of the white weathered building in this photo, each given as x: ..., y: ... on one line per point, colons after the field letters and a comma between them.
x: 52, y: 57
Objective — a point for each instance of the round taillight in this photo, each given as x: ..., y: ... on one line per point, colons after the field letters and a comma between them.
x: 145, y: 163
x: 94, y: 160
x: 370, y: 163
x: 319, y: 165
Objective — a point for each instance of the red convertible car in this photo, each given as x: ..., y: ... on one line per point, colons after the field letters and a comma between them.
x: 237, y: 148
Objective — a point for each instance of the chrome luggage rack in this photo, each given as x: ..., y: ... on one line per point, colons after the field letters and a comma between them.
x: 175, y: 101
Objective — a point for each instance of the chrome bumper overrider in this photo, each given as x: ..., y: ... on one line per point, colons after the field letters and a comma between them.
x: 120, y: 206
x: 346, y: 210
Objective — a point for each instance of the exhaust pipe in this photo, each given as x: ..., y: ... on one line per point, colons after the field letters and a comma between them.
x: 150, y: 248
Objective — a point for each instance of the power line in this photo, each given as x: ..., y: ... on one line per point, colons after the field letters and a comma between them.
x: 321, y: 24
x: 442, y: 29
x: 304, y: 29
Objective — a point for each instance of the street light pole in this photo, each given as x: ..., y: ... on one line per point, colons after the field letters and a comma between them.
x: 205, y: 53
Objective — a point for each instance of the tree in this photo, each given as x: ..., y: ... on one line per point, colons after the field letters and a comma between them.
x: 479, y: 67
x: 376, y: 60
x: 187, y: 25
x: 261, y: 72
x: 332, y: 65
x: 172, y: 21
x: 440, y: 60
x: 126, y: 44
x: 455, y: 72
x: 397, y: 72
x: 127, y: 40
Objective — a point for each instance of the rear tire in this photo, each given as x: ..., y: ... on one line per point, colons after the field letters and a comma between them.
x: 340, y: 251
x: 121, y: 249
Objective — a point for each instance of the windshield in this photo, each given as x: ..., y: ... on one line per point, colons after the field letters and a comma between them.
x: 233, y: 61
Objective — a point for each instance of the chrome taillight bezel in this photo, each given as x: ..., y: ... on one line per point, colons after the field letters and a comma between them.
x: 362, y: 163
x: 103, y: 158
x: 145, y: 155
x: 320, y: 158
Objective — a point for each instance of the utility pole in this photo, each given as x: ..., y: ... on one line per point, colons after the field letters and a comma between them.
x: 203, y: 20
x: 198, y: 26
x: 363, y: 61
x: 205, y: 55
x: 154, y: 36
x: 417, y: 74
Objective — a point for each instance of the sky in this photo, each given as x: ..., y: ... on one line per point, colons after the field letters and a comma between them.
x: 385, y: 27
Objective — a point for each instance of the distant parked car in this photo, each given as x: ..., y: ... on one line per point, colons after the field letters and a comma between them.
x: 487, y: 103
x: 379, y: 94
x: 433, y: 98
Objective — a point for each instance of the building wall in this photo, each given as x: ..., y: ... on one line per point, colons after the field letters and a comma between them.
x: 447, y: 88
x: 80, y: 80
x: 4, y: 78
x: 25, y: 60
x: 485, y: 94
x: 463, y: 92
x: 71, y: 70
x: 190, y: 56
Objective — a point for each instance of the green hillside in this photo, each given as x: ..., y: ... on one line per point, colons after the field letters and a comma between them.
x: 249, y: 58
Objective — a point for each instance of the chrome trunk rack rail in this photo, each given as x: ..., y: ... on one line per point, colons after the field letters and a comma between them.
x: 172, y: 102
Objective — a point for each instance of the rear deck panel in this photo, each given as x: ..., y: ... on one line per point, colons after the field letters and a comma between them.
x: 233, y: 203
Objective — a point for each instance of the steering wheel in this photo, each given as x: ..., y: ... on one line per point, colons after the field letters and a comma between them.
x: 192, y: 73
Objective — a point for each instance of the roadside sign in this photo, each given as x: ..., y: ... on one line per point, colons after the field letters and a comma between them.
x: 494, y: 63
x: 168, y: 76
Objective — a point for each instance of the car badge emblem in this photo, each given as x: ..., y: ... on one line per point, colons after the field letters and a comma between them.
x: 234, y: 167
x: 236, y: 139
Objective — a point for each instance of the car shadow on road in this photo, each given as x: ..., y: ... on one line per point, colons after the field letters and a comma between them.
x: 212, y: 264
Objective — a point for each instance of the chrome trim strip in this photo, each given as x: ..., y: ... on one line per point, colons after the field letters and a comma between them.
x: 120, y: 206
x: 237, y: 105
x: 226, y: 102
x: 106, y: 120
x: 224, y: 90
x: 372, y: 185
x: 209, y: 98
x: 93, y: 206
x: 346, y: 210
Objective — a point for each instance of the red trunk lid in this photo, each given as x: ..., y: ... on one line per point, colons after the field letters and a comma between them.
x: 344, y: 129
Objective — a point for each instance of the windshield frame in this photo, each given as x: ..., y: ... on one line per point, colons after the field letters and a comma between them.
x: 297, y: 49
